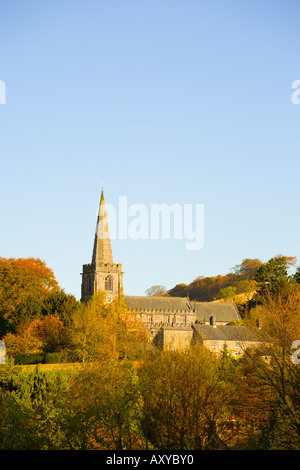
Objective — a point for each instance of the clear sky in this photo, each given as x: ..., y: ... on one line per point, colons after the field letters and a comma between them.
x: 162, y: 101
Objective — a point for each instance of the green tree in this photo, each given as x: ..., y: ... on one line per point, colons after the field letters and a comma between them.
x: 61, y: 305
x: 297, y: 275
x: 245, y: 286
x: 227, y: 293
x: 33, y: 409
x: 29, y: 309
x: 273, y: 277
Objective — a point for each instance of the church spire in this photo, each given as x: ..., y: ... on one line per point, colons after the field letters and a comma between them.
x: 102, y: 274
x: 102, y: 252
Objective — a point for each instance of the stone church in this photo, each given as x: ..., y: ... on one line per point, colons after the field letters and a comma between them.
x: 170, y: 321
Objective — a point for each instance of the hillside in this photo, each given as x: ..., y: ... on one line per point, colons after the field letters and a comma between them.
x: 238, y: 284
x: 238, y: 298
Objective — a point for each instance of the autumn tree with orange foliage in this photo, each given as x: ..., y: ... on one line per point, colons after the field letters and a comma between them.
x: 24, y: 284
x: 46, y: 334
x: 25, y: 340
x: 52, y: 332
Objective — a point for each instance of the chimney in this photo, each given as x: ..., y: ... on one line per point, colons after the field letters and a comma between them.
x: 212, y: 320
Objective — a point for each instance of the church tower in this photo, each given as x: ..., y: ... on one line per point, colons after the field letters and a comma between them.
x: 102, y: 274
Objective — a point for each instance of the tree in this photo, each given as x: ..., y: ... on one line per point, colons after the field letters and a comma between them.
x: 227, y: 293
x: 61, y: 305
x: 279, y: 378
x: 51, y: 332
x: 246, y: 270
x: 86, y: 330
x: 41, y: 335
x: 272, y: 277
x: 207, y: 289
x: 107, y: 407
x: 24, y: 284
x: 29, y: 309
x: 100, y: 329
x: 25, y: 340
x: 180, y: 290
x: 252, y: 404
x: 297, y: 275
x: 34, y: 409
x: 156, y: 290
x: 186, y: 399
x: 245, y: 286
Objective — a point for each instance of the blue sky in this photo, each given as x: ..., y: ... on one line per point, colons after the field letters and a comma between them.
x: 163, y: 101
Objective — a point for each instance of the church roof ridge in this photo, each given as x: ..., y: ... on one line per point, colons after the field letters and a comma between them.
x: 225, y: 312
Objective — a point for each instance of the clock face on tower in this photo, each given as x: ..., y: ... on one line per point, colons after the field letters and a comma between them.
x: 108, y: 299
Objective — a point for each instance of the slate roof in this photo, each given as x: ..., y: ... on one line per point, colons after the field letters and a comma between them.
x: 225, y: 333
x: 223, y: 311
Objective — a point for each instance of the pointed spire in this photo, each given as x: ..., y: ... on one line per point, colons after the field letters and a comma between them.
x: 102, y: 252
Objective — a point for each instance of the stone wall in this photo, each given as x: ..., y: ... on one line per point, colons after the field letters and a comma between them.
x: 173, y: 338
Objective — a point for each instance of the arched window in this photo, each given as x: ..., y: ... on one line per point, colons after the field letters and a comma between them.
x: 109, y: 283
